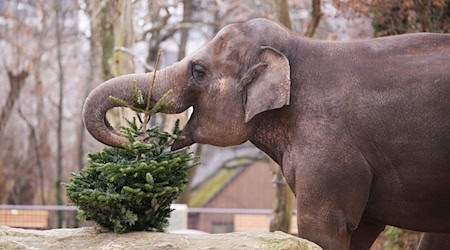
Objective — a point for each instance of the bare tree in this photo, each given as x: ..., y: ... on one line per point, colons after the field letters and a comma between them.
x: 34, y: 141
x: 282, y: 206
x: 59, y: 20
x: 39, y: 132
x: 399, y: 17
x: 26, y: 60
x: 187, y: 17
x: 282, y: 11
x: 103, y: 34
x: 93, y: 13
x: 16, y: 83
x: 316, y: 15
x: 123, y: 37
x: 30, y: 150
x: 121, y: 12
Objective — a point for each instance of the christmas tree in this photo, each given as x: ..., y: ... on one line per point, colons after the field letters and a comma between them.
x: 132, y: 188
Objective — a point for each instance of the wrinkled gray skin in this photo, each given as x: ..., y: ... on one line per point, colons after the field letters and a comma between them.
x: 361, y: 129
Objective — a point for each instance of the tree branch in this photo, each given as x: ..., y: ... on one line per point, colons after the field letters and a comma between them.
x: 177, y: 27
x: 132, y: 54
x: 159, y: 26
x: 316, y: 15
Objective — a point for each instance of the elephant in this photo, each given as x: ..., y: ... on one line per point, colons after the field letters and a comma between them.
x: 361, y: 129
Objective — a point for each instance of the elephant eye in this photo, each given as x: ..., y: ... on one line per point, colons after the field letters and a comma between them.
x: 198, y: 72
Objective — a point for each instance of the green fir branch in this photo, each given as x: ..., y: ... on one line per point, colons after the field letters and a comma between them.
x: 132, y: 188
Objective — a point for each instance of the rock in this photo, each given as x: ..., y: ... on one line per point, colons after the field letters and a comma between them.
x: 94, y: 238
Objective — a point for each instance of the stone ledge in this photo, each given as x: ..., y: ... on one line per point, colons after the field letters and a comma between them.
x: 94, y: 238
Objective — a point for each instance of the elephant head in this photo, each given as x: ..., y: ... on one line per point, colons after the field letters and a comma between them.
x: 237, y: 75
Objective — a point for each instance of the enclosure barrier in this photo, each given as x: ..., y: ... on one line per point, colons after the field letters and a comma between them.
x: 221, y: 219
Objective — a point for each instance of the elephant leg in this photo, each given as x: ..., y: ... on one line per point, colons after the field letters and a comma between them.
x: 434, y: 241
x: 366, y: 233
x: 329, y: 233
x: 328, y: 211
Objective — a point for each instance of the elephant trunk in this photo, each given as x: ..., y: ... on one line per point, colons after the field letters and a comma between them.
x: 98, y: 101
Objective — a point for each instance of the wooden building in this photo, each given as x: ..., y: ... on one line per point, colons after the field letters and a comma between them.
x: 245, y: 186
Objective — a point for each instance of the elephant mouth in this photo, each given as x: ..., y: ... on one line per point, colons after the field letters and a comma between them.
x: 179, y: 144
x: 187, y: 133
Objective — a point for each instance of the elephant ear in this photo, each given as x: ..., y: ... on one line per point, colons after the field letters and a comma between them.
x: 267, y: 84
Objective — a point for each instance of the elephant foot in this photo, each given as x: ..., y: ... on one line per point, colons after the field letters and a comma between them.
x: 366, y: 233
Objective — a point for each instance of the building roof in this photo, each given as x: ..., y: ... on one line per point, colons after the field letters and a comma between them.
x: 211, y: 186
